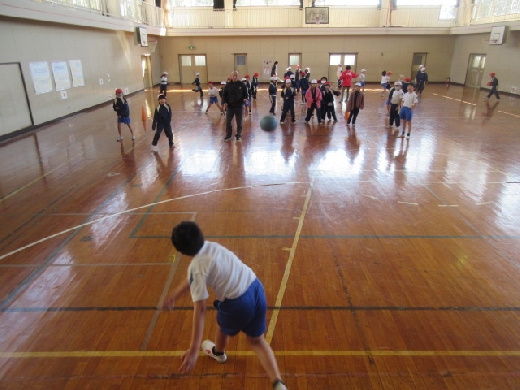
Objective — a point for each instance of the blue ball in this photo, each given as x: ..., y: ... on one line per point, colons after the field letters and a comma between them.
x: 268, y: 123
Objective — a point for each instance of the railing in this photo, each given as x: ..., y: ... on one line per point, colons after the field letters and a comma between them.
x: 497, y: 11
x: 137, y: 11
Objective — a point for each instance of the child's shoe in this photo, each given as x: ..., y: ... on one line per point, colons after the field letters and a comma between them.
x: 208, y: 346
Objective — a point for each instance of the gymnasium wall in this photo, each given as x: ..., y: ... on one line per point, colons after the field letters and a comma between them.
x: 501, y: 59
x: 375, y: 53
x: 108, y: 55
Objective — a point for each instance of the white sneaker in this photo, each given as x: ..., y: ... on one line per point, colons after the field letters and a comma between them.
x: 207, y: 348
x: 154, y: 148
x: 279, y: 385
x: 119, y: 139
x: 133, y: 137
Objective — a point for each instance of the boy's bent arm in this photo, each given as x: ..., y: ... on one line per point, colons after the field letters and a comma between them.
x: 169, y: 301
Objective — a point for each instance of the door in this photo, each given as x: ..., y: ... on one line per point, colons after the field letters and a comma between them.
x: 189, y: 65
x: 147, y: 72
x: 241, y: 65
x: 294, y: 60
x: 475, y: 71
x: 342, y: 59
x: 417, y: 60
x: 15, y: 112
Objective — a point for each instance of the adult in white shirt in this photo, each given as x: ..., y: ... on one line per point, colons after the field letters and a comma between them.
x: 241, y: 304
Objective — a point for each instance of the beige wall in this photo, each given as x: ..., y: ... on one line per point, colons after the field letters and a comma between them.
x: 501, y: 59
x: 375, y: 53
x: 102, y: 53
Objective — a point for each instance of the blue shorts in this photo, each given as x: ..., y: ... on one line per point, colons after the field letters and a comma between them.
x: 213, y: 99
x: 247, y: 313
x: 362, y: 83
x: 406, y: 113
x: 123, y: 119
x: 247, y: 103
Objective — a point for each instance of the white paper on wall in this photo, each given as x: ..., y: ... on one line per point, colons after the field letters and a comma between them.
x: 76, y: 71
x: 60, y: 71
x: 41, y: 77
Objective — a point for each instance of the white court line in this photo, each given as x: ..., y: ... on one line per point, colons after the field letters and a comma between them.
x: 448, y: 205
x: 370, y: 196
x: 480, y: 204
x: 138, y: 208
x: 415, y: 204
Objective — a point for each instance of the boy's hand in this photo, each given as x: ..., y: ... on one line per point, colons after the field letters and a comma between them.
x: 189, y: 359
x: 169, y: 301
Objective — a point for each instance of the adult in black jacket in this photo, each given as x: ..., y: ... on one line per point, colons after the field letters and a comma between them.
x: 234, y: 96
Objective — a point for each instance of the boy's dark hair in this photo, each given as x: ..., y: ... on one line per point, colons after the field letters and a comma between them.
x: 161, y: 97
x: 348, y: 67
x: 187, y: 238
x: 383, y: 73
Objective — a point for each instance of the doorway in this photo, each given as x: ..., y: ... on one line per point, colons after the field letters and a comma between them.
x: 417, y: 60
x: 147, y: 71
x: 241, y: 64
x: 343, y: 59
x: 476, y: 65
x: 191, y: 64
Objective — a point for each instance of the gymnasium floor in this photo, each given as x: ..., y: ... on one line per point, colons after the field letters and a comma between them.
x: 387, y: 263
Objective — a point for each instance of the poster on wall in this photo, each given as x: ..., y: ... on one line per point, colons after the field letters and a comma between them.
x: 76, y: 70
x: 60, y: 70
x: 41, y: 77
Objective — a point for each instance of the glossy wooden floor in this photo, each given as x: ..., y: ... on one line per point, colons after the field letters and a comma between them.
x: 387, y: 263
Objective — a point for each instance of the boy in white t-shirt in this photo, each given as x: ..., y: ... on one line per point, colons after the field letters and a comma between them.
x: 212, y: 95
x: 409, y: 101
x: 241, y: 304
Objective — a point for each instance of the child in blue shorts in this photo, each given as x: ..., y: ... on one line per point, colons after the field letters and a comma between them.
x: 121, y: 107
x: 409, y: 100
x: 241, y: 304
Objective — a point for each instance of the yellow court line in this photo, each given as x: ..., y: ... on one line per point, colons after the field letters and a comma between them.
x: 287, y: 272
x: 103, y: 354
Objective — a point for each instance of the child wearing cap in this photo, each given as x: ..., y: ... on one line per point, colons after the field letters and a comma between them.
x: 346, y: 81
x: 420, y: 80
x: 163, y: 84
x: 197, y: 88
x: 254, y: 85
x: 121, y: 107
x: 409, y: 101
x: 221, y: 93
x: 395, y: 96
x: 313, y: 98
x: 493, y: 84
x: 272, y: 94
x: 304, y: 85
x: 355, y: 102
x: 162, y: 120
x: 361, y: 79
x: 328, y: 104
x: 288, y: 94
x: 247, y: 103
x: 212, y: 95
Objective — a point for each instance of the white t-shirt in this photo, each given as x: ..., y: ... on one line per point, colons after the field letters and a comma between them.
x: 222, y: 270
x: 212, y: 91
x: 361, y: 77
x: 164, y: 80
x: 396, y: 96
x: 409, y: 99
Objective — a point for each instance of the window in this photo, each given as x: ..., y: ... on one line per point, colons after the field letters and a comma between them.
x: 350, y: 59
x: 200, y: 60
x: 335, y: 59
x: 427, y: 2
x: 241, y: 59
x: 186, y: 60
x: 367, y: 3
x: 263, y: 3
x: 190, y: 3
x: 294, y: 59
